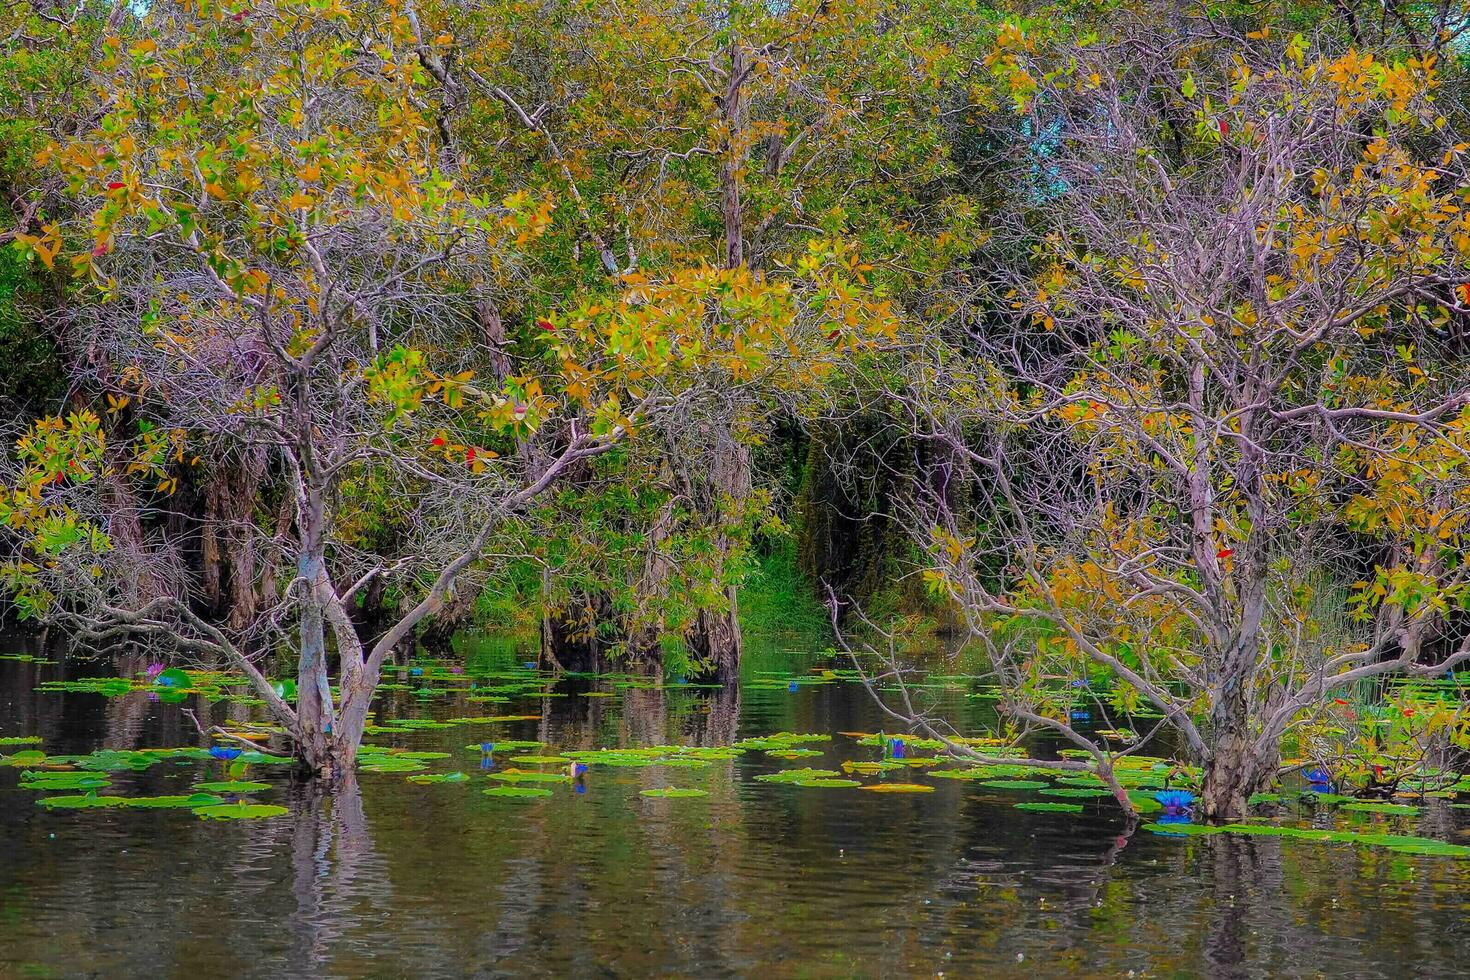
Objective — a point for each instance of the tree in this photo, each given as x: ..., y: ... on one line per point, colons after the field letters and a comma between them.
x: 1214, y: 394
x: 273, y: 256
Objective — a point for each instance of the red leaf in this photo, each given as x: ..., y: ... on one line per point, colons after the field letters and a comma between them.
x: 545, y: 324
x: 1224, y: 552
x: 1223, y: 126
x: 116, y: 185
x: 437, y: 441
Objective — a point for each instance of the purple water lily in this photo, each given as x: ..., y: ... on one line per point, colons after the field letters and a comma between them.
x: 154, y: 669
x: 896, y: 748
x: 1176, y: 802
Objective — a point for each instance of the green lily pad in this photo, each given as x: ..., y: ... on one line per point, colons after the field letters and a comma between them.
x: 232, y: 786
x: 1380, y: 808
x: 826, y: 783
x: 1076, y: 792
x: 516, y: 776
x: 517, y: 791
x: 1014, y: 784
x: 540, y: 760
x: 1049, y: 807
x: 86, y: 802
x: 32, y: 779
x: 193, y: 801
x: 429, y: 779
x: 240, y: 811
x: 672, y: 793
x: 21, y: 740
x: 796, y: 775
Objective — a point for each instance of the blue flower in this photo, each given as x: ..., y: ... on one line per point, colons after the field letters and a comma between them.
x: 1081, y: 716
x: 224, y: 753
x: 1081, y: 682
x: 530, y: 665
x: 1319, y: 776
x: 681, y: 680
x: 896, y: 748
x: 1175, y: 801
x: 577, y: 769
x: 487, y: 747
x: 415, y: 671
x: 792, y: 687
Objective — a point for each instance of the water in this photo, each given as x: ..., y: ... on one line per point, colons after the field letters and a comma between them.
x: 756, y: 879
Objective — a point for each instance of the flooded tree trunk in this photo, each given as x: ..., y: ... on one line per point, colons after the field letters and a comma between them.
x: 720, y: 494
x: 1237, y: 768
x: 570, y: 638
x: 229, y: 569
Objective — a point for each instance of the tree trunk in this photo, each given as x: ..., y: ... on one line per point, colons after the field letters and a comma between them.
x: 732, y: 164
x: 569, y: 635
x: 1238, y: 767
x: 715, y: 639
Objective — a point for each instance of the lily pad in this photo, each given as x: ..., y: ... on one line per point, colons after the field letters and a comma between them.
x: 1076, y: 792
x: 796, y: 775
x: 21, y: 740
x: 1402, y: 808
x: 826, y: 783
x: 190, y: 802
x: 517, y: 776
x: 232, y: 786
x: 517, y: 791
x: 540, y: 760
x: 429, y: 779
x: 673, y: 793
x: 86, y: 802
x: 898, y: 788
x: 1049, y: 807
x: 1014, y: 784
x: 31, y: 779
x: 240, y: 811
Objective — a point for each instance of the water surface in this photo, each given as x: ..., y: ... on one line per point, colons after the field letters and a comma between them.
x: 755, y: 879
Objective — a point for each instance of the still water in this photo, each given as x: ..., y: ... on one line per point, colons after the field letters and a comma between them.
x: 755, y: 879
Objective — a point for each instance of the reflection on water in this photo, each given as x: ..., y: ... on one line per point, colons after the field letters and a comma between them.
x: 389, y: 878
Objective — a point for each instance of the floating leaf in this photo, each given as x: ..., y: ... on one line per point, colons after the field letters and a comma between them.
x: 193, y: 801
x: 1076, y: 792
x: 1380, y: 808
x: 232, y: 786
x: 541, y: 760
x: 1014, y: 784
x: 517, y: 776
x: 1049, y: 807
x: 672, y: 793
x: 428, y: 779
x: 796, y: 775
x: 240, y: 811
x: 898, y: 788
x: 87, y: 802
x: 826, y: 783
x: 517, y: 791
x: 21, y: 740
x: 31, y: 779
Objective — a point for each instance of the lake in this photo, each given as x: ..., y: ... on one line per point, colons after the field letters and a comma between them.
x: 756, y: 878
